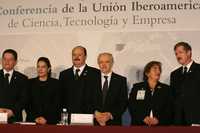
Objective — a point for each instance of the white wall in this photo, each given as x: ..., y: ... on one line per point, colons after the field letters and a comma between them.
x: 131, y: 50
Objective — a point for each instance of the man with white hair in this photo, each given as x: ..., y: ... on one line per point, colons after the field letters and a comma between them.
x: 111, y: 95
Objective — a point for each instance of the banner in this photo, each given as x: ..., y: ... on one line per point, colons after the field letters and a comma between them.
x: 33, y: 16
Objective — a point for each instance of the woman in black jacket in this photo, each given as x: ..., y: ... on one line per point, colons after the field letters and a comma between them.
x: 44, y: 97
x: 150, y: 102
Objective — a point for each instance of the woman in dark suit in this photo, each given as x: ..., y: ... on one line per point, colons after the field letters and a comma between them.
x: 44, y: 102
x: 150, y: 102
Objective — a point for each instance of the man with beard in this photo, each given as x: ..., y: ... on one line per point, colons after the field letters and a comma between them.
x: 77, y: 83
x: 185, y: 82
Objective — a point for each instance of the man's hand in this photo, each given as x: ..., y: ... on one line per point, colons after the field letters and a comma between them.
x: 107, y: 116
x: 147, y: 120
x: 8, y: 111
x: 102, y: 118
x: 2, y: 110
x: 41, y: 120
x: 99, y: 117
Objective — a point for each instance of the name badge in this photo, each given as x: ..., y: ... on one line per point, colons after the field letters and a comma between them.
x: 140, y: 95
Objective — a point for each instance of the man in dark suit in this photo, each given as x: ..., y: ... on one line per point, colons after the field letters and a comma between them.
x: 111, y: 95
x: 13, y: 93
x: 76, y: 83
x: 185, y: 82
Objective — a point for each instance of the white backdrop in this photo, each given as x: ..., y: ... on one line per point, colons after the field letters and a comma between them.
x: 131, y: 50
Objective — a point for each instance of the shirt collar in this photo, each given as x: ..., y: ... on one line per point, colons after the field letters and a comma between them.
x: 80, y: 68
x: 188, y: 65
x: 103, y: 78
x: 109, y: 74
x: 10, y: 72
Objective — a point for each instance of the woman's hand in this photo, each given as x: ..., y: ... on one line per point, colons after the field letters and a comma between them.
x: 151, y: 121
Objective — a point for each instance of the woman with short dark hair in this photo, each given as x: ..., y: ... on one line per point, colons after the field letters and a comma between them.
x: 150, y: 102
x: 44, y: 98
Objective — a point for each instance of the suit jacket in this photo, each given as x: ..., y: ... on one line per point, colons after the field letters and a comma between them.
x: 44, y: 100
x: 76, y: 93
x: 186, y: 90
x: 116, y: 98
x: 14, y: 96
x: 160, y: 103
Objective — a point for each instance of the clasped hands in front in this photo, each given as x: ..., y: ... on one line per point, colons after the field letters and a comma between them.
x: 151, y: 121
x: 102, y: 117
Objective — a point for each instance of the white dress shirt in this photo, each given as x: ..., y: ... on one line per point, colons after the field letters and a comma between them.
x: 81, y: 69
x: 188, y: 66
x: 103, y: 79
x: 10, y: 74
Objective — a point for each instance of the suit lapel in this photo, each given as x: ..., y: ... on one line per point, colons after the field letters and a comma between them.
x: 100, y: 84
x: 192, y: 68
x: 112, y: 82
x: 99, y: 91
x: 157, y: 88
x: 192, y: 72
x: 1, y: 77
x: 84, y: 72
x: 13, y: 78
x: 72, y: 73
x: 1, y: 73
x: 180, y: 74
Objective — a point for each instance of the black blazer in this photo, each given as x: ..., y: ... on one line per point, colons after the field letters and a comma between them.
x: 186, y: 90
x: 160, y: 103
x: 116, y: 98
x: 44, y: 100
x: 76, y: 94
x: 15, y: 96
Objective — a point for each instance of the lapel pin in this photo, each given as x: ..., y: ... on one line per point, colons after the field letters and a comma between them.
x: 85, y: 73
x: 159, y: 87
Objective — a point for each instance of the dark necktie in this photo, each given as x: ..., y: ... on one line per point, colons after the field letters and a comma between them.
x: 184, y: 70
x: 76, y: 74
x: 105, y: 88
x: 7, y: 79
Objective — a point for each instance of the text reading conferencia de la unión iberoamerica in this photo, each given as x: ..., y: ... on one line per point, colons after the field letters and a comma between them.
x: 62, y: 16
